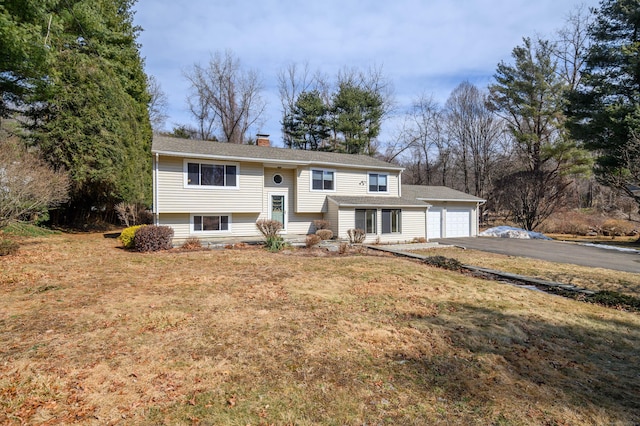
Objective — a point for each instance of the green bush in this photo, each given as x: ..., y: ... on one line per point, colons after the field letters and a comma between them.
x: 153, y: 238
x: 8, y: 247
x: 325, y: 234
x: 127, y: 236
x: 275, y: 243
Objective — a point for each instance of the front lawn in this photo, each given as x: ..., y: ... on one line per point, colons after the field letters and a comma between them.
x: 94, y: 334
x: 596, y: 279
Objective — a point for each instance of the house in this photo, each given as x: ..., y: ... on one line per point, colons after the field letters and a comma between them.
x: 219, y: 190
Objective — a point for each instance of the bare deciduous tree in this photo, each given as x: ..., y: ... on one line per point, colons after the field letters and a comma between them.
x: 28, y: 186
x: 572, y: 44
x: 475, y: 130
x: 225, y: 97
x: 158, y: 104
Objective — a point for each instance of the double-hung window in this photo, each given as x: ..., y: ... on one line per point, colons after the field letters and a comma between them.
x: 208, y: 174
x: 367, y: 219
x: 211, y: 223
x: 391, y: 221
x: 378, y: 182
x: 322, y: 180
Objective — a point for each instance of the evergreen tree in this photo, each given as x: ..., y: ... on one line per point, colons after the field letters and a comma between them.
x: 357, y: 114
x: 91, y: 118
x: 23, y: 43
x: 605, y: 108
x: 528, y: 95
x: 307, y: 126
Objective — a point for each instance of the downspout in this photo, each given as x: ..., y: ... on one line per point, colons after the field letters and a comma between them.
x: 426, y: 223
x: 156, y: 214
x: 477, y: 224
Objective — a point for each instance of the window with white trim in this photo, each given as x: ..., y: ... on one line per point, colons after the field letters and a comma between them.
x: 378, y: 182
x: 367, y: 220
x: 211, y: 223
x: 391, y: 221
x: 209, y: 174
x: 323, y: 180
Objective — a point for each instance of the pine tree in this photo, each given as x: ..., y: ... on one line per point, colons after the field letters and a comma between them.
x: 91, y: 118
x: 605, y: 108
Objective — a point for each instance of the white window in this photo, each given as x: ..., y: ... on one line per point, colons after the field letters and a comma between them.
x: 211, y: 223
x: 367, y: 220
x: 211, y: 175
x: 378, y: 182
x: 391, y: 221
x: 323, y: 180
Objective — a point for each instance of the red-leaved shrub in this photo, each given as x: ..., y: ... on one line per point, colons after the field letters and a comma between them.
x: 153, y: 238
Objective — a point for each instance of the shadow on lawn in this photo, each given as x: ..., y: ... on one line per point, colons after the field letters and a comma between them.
x: 499, y: 356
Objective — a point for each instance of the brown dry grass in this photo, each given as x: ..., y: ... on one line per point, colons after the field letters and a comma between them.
x: 597, y: 279
x: 95, y: 335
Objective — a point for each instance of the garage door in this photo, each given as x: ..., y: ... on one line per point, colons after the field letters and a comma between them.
x: 434, y: 223
x: 458, y: 223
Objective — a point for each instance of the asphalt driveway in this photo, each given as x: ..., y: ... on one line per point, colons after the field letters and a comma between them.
x: 554, y: 251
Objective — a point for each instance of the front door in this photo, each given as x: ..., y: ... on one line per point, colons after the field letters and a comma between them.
x: 278, y: 209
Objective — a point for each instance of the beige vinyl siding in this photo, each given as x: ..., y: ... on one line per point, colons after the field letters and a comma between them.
x: 173, y: 197
x: 297, y: 223
x: 332, y: 217
x: 242, y: 225
x: 413, y: 225
x: 348, y: 182
x: 179, y: 223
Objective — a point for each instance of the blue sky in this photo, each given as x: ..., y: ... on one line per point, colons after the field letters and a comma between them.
x: 423, y: 46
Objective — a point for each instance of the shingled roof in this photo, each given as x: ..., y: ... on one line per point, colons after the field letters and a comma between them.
x: 165, y: 145
x: 346, y: 201
x: 437, y: 193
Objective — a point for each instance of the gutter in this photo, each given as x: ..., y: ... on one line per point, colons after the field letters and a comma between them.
x: 273, y: 160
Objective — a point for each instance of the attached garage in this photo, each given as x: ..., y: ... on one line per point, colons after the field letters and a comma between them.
x: 451, y: 213
x: 434, y: 223
x: 458, y: 222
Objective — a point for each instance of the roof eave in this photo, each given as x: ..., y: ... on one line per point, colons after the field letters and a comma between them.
x: 228, y: 157
x: 274, y: 160
x: 453, y: 200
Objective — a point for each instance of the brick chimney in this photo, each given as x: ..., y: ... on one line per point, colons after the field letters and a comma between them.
x: 262, y: 140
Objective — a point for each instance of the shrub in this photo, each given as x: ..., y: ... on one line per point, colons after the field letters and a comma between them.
x: 312, y: 240
x: 616, y: 227
x: 356, y: 236
x: 275, y: 243
x: 153, y: 238
x: 127, y: 236
x: 269, y: 228
x: 419, y: 240
x: 8, y: 247
x: 321, y: 224
x: 343, y: 248
x: 444, y: 262
x: 192, y: 243
x: 325, y: 234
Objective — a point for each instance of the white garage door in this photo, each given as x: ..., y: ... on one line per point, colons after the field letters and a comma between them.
x: 458, y: 223
x: 434, y: 223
